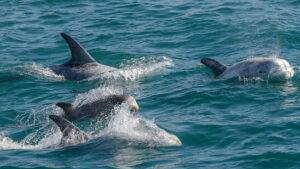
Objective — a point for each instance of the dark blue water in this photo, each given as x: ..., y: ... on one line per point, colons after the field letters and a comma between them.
x: 187, y: 119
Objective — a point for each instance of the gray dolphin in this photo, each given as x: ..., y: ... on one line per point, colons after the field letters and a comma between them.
x: 271, y: 68
x: 82, y: 65
x: 71, y: 134
x: 101, y: 108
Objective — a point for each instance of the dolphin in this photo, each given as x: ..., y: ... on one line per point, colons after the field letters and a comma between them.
x: 99, y: 108
x: 70, y: 133
x: 82, y: 65
x: 271, y: 68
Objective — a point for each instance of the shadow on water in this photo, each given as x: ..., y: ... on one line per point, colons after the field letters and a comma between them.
x: 7, y: 77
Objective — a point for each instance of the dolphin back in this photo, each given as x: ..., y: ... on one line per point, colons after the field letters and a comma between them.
x: 217, y: 67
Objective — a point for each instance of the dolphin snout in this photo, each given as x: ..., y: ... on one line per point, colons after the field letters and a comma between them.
x: 282, y: 75
x: 282, y: 71
x: 133, y: 105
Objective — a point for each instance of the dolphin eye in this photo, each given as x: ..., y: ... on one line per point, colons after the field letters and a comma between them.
x: 260, y: 72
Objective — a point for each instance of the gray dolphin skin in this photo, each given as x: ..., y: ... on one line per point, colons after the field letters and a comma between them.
x: 99, y: 108
x: 71, y: 134
x: 82, y: 65
x: 271, y: 68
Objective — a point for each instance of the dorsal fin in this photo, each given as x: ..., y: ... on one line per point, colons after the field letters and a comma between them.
x: 217, y: 67
x: 67, y: 107
x: 67, y: 128
x: 62, y: 123
x: 79, y: 54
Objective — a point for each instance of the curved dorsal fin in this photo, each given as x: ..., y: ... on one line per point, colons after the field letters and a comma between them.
x: 62, y: 123
x: 67, y: 107
x: 217, y: 67
x: 67, y: 128
x: 79, y: 54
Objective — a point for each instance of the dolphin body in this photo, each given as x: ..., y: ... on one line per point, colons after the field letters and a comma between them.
x: 99, y: 108
x: 271, y: 68
x: 71, y: 134
x: 82, y: 65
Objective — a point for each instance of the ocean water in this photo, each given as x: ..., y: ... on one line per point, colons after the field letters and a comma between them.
x: 187, y: 119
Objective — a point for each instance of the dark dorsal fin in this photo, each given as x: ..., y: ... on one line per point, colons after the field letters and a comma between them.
x: 217, y: 67
x: 67, y: 107
x: 62, y: 123
x: 79, y: 54
x: 67, y: 128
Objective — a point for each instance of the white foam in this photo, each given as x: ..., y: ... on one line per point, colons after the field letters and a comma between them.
x: 96, y: 94
x: 7, y: 143
x: 130, y: 70
x: 40, y: 71
x: 36, y: 117
x: 124, y: 125
x: 135, y: 128
x: 135, y: 69
x: 50, y: 140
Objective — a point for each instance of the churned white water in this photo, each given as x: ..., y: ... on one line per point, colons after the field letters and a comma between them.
x: 123, y: 124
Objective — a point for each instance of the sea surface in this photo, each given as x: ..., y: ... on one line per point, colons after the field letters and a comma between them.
x: 187, y: 118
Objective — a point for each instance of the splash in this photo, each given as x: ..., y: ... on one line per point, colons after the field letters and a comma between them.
x: 134, y: 69
x: 135, y: 128
x: 36, y: 117
x: 7, y: 143
x: 123, y: 125
x: 96, y: 94
x: 130, y: 70
x: 50, y: 139
x: 40, y: 71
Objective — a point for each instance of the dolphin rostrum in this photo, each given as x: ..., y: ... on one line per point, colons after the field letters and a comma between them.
x: 99, y: 108
x: 82, y: 65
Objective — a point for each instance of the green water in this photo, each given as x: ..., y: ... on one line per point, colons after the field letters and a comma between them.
x: 187, y: 119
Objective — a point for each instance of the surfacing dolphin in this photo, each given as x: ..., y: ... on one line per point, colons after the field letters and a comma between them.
x: 269, y: 68
x: 82, y: 65
x: 100, y: 108
x: 71, y: 134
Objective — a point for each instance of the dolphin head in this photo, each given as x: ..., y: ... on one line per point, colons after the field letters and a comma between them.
x: 269, y: 68
x: 278, y: 69
x: 119, y: 99
x: 133, y: 104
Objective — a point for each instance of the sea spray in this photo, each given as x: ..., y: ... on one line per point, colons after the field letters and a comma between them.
x: 134, y: 69
x: 38, y: 70
x: 133, y: 127
x: 123, y: 125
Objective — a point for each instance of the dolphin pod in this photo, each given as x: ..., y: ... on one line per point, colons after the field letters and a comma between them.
x: 271, y: 68
x: 82, y: 65
x: 102, y: 107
